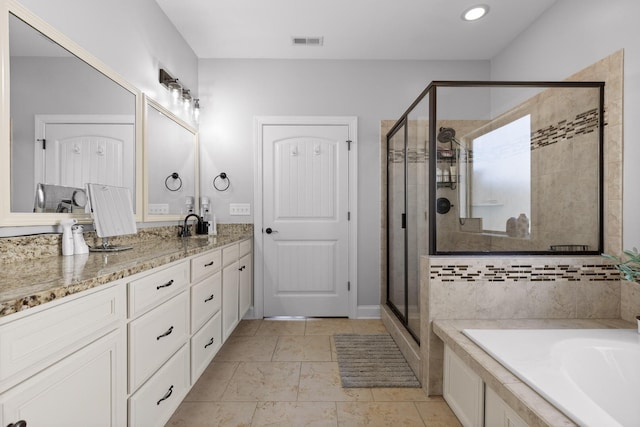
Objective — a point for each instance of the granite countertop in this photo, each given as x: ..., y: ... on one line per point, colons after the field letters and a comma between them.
x: 30, y: 283
x: 529, y: 405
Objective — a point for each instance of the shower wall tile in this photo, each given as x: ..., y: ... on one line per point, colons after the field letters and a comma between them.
x: 598, y: 300
x: 629, y: 300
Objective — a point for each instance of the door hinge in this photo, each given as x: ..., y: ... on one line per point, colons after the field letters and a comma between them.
x: 349, y: 144
x: 404, y: 220
x: 44, y: 143
x: 349, y: 286
x: 348, y: 216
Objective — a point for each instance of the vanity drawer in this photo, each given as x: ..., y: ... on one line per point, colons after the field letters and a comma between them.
x: 204, y: 346
x: 156, y: 336
x: 149, y: 291
x: 204, y: 265
x: 38, y: 340
x: 206, y: 299
x: 229, y: 254
x: 244, y: 247
x: 159, y: 397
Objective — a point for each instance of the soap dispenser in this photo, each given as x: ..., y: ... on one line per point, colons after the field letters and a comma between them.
x: 79, y: 245
x: 67, y: 236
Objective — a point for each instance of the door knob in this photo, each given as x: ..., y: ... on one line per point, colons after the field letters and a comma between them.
x: 269, y: 231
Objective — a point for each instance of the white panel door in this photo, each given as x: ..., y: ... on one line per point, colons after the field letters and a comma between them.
x: 305, y: 226
x: 80, y: 153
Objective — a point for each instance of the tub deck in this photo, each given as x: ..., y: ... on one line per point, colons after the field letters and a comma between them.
x: 534, y: 409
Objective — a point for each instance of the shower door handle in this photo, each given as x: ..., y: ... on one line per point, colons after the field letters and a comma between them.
x: 404, y: 220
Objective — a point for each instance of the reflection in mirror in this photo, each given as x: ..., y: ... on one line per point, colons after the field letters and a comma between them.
x: 70, y: 123
x: 171, y: 155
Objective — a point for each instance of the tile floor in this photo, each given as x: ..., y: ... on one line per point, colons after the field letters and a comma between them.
x: 284, y: 373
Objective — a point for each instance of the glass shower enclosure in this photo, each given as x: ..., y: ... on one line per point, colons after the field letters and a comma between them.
x: 490, y: 168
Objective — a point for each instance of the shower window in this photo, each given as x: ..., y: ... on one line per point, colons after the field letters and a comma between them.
x: 501, y: 177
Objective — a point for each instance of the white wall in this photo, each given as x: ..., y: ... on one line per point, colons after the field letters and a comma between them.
x: 235, y: 91
x: 570, y: 36
x: 133, y: 37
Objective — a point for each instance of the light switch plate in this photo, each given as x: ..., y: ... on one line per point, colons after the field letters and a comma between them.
x: 239, y: 209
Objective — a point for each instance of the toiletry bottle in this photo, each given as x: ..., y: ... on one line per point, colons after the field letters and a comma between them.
x: 213, y: 229
x: 67, y: 236
x: 79, y: 245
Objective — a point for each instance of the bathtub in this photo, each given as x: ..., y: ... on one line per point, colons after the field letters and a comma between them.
x: 591, y: 375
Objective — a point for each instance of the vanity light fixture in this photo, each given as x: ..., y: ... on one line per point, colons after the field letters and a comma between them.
x: 186, y: 99
x: 475, y: 12
x: 196, y: 109
x: 179, y: 93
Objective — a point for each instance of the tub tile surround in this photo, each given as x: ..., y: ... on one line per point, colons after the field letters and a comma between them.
x: 534, y: 287
x: 37, y: 279
x: 534, y: 409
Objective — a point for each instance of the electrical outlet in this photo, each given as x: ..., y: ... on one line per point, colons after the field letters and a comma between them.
x: 239, y: 209
x: 158, y: 208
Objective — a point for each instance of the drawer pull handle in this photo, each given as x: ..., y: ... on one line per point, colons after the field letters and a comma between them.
x: 21, y: 423
x: 209, y: 264
x: 169, y: 283
x: 209, y: 299
x: 242, y: 268
x: 209, y: 343
x: 165, y: 334
x: 167, y: 395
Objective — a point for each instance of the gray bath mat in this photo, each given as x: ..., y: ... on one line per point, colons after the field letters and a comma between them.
x: 372, y: 361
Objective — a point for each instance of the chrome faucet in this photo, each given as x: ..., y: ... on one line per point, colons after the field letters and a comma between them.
x: 184, y: 229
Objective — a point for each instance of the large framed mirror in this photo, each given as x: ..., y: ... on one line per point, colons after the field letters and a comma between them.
x: 171, y: 165
x: 67, y: 120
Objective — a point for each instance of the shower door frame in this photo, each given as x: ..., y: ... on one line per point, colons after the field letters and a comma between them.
x: 400, y: 126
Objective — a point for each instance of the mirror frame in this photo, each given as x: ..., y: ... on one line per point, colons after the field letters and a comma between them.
x: 150, y: 103
x: 8, y: 218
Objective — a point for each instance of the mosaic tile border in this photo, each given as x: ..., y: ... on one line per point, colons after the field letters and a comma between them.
x: 524, y: 273
x: 582, y: 124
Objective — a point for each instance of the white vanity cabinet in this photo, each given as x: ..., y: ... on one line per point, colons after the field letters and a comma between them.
x: 246, y: 277
x: 474, y: 403
x: 159, y: 309
x: 64, y: 363
x: 206, y: 317
x: 237, y: 284
x: 124, y: 353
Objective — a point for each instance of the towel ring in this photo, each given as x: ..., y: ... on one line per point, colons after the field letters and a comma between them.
x: 223, y: 176
x: 175, y: 176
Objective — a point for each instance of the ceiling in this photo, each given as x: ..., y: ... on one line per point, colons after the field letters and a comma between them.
x: 352, y: 29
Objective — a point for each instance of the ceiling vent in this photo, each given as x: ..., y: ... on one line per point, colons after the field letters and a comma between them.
x: 308, y: 41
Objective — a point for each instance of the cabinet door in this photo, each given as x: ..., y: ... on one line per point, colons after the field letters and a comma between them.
x: 230, y: 277
x: 246, y: 284
x: 87, y: 388
x: 498, y: 413
x: 463, y: 390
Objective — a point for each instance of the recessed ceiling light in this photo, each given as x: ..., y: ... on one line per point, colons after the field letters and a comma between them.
x: 475, y: 12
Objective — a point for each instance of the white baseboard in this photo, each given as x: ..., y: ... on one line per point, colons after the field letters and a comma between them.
x: 368, y: 311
